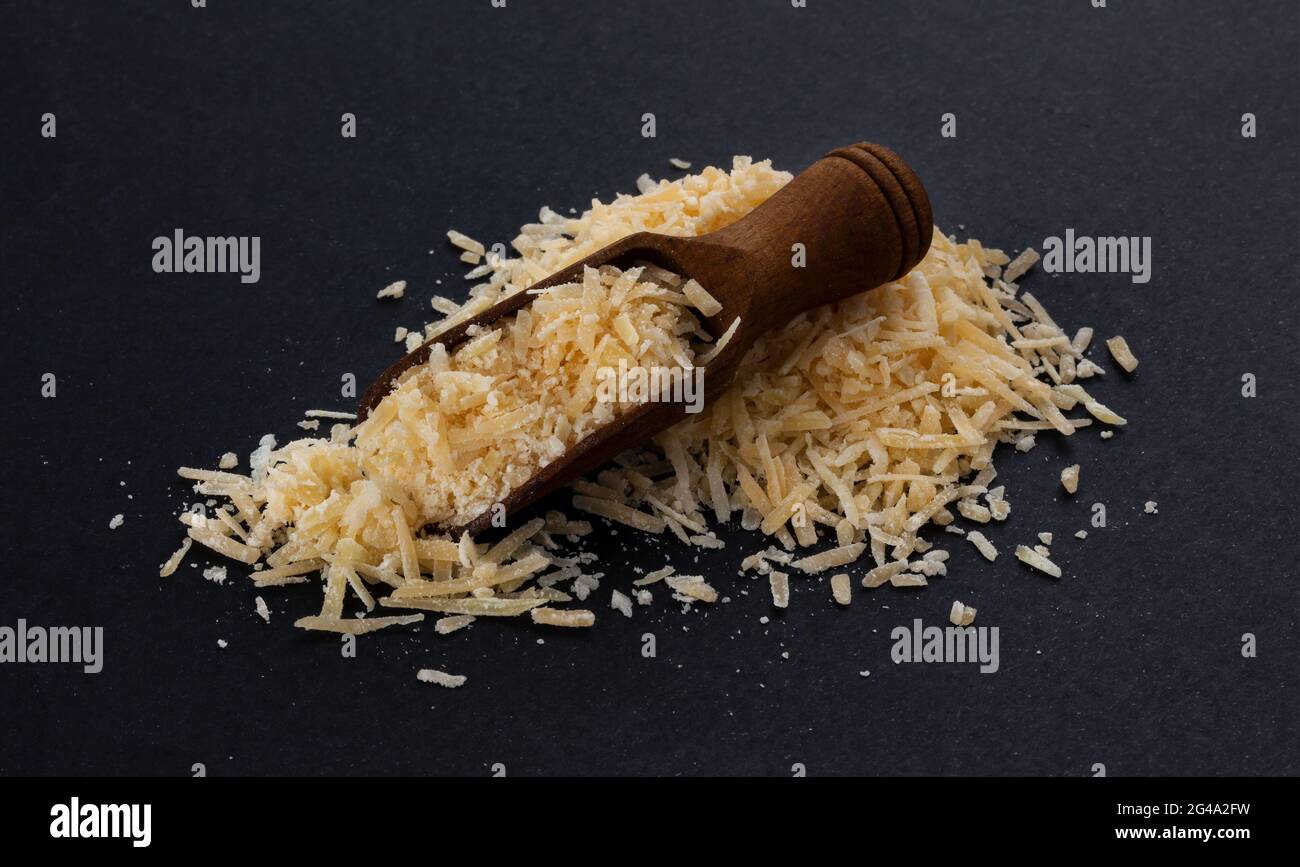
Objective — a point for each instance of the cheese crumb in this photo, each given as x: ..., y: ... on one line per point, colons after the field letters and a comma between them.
x: 465, y: 242
x: 575, y: 617
x: 452, y: 623
x: 1037, y: 560
x: 983, y: 545
x: 441, y: 678
x: 169, y: 567
x: 1019, y: 265
x: 779, y: 583
x: 1150, y: 507
x: 692, y: 588
x: 840, y: 588
x: 1123, y: 356
x: 1070, y: 478
x: 961, y: 614
x: 116, y: 522
x: 393, y: 290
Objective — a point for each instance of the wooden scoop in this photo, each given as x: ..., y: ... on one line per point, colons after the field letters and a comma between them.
x: 863, y: 219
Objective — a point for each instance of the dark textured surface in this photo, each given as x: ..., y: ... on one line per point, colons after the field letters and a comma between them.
x: 224, y: 120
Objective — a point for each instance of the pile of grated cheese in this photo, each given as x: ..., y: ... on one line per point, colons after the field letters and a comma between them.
x: 858, y: 423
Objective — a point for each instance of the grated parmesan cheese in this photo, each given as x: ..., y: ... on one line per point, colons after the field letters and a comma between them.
x: 451, y: 623
x: 575, y: 617
x: 692, y: 588
x: 1123, y: 356
x: 441, y: 678
x: 865, y: 419
x: 169, y: 567
x: 779, y: 582
x: 1070, y: 478
x: 840, y: 588
x: 961, y: 614
x: 393, y: 290
x: 829, y: 559
x: 1019, y: 265
x: 1038, y: 560
x: 983, y: 545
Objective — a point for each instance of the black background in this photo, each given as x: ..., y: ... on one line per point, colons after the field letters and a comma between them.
x: 225, y: 121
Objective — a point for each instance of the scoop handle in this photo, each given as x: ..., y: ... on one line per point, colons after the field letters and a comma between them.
x: 855, y: 219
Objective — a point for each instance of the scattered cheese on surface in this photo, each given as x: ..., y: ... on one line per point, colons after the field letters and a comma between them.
x: 325, y: 623
x: 908, y: 579
x: 451, y: 623
x: 692, y: 587
x: 840, y: 588
x: 175, y: 559
x: 441, y: 678
x: 262, y: 611
x: 621, y: 602
x: 679, y: 163
x: 1037, y: 560
x: 1070, y: 478
x: 116, y: 522
x: 840, y: 556
x: 961, y: 614
x: 1150, y: 507
x: 983, y: 545
x: 779, y: 583
x: 575, y: 617
x: 465, y: 242
x: 1019, y: 265
x: 228, y: 461
x: 1123, y: 356
x: 393, y: 290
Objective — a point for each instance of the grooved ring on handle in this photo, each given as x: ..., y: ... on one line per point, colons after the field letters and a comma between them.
x: 914, y: 189
x: 904, y: 193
